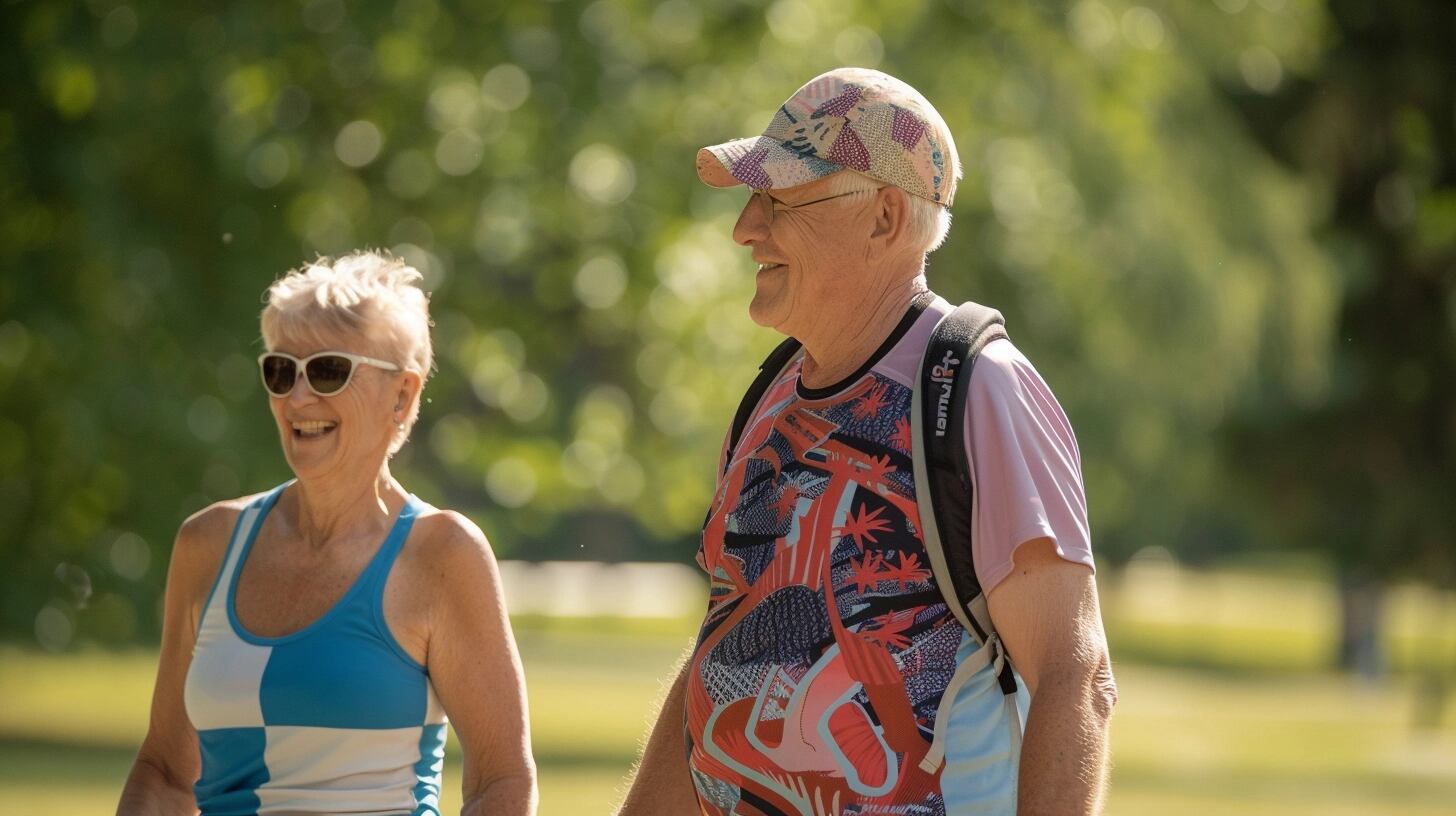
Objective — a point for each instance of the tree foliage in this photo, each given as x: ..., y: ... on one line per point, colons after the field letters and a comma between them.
x: 162, y: 164
x: 1368, y: 472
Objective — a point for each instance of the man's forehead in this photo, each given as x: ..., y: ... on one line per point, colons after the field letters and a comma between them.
x: 801, y: 191
x: 841, y: 181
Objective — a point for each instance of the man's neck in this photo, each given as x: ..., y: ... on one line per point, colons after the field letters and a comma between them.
x: 842, y: 340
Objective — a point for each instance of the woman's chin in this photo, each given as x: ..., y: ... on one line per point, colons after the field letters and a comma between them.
x: 310, y: 458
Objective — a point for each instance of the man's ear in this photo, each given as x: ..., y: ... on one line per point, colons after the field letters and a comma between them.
x: 892, y: 218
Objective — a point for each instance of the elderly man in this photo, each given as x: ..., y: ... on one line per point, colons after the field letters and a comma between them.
x: 829, y: 675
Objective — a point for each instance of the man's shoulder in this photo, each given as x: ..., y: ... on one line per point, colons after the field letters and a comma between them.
x: 1002, y: 368
x: 1003, y: 357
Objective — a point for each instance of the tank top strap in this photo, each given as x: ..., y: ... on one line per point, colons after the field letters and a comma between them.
x: 245, y: 529
x: 377, y: 573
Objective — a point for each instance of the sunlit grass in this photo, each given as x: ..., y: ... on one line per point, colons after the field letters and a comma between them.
x: 1245, y: 620
x: 1260, y: 732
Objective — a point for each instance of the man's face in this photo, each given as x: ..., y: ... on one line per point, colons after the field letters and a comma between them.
x: 810, y: 258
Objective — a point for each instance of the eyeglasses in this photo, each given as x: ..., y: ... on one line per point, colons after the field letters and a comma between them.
x: 769, y: 205
x: 326, y: 372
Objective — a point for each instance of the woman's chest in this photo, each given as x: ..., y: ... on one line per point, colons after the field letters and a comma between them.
x: 281, y: 591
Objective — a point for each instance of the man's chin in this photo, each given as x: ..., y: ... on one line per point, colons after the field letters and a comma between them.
x: 767, y: 312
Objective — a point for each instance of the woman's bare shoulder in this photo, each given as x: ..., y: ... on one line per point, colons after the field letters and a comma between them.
x: 202, y: 540
x: 448, y: 537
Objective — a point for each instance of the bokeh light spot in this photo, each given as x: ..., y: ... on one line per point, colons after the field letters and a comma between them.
x: 53, y: 628
x: 505, y: 87
x: 511, y: 482
x: 1092, y: 25
x: 602, y: 174
x: 72, y: 88
x: 859, y: 46
x: 268, y: 165
x: 453, y: 439
x: 207, y: 418
x: 677, y: 21
x: 601, y: 281
x: 622, y: 481
x: 459, y: 152
x: 130, y: 556
x: 118, y: 27
x: 358, y: 143
x: 1143, y: 28
x: 792, y: 21
x: 1261, y: 69
x: 535, y: 47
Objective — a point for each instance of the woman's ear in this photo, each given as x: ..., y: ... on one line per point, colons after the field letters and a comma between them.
x: 409, y: 390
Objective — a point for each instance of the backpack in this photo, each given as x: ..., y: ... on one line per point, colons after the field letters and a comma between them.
x: 943, y: 485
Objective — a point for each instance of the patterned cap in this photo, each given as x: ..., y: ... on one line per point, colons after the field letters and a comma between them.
x: 857, y: 118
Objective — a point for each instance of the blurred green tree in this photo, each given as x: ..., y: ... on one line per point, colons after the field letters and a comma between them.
x: 161, y: 165
x: 1367, y: 473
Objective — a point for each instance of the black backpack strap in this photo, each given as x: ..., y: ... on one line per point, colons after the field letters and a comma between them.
x: 941, y: 467
x: 768, y: 371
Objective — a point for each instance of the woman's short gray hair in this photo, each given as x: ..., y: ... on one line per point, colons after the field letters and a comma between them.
x: 367, y: 292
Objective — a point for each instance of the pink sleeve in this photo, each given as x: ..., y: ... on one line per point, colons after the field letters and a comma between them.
x: 1026, y: 467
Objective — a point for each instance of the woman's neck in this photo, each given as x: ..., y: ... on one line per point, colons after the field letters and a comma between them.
x: 327, y: 510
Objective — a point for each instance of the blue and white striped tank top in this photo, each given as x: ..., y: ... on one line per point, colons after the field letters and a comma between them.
x: 333, y: 718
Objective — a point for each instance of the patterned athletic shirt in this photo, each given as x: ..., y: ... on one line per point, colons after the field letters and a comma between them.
x: 820, y: 668
x: 333, y: 718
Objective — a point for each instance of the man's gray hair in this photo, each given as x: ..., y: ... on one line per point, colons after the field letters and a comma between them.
x: 929, y: 223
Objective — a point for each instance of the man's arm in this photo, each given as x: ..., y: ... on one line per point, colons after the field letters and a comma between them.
x: 661, y: 783
x: 1047, y: 615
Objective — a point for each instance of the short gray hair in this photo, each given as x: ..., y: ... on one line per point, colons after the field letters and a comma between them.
x: 929, y: 222
x: 367, y: 292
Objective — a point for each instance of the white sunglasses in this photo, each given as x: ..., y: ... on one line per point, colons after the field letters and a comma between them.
x: 326, y: 373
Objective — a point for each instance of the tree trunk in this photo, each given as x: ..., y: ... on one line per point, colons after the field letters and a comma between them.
x: 1362, y: 643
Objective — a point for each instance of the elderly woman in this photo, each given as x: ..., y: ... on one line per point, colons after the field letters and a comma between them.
x: 316, y: 635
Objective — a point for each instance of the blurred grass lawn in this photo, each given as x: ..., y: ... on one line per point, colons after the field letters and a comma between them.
x: 1253, y: 730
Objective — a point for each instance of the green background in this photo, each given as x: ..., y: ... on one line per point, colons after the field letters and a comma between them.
x: 1224, y: 231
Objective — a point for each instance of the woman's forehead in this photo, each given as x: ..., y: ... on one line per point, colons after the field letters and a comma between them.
x: 303, y: 340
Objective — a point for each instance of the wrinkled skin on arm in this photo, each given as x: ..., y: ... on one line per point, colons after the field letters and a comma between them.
x: 168, y: 763
x: 662, y: 783
x: 1048, y: 617
x: 476, y: 670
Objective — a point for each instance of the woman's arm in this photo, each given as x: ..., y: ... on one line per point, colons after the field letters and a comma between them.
x: 160, y: 782
x: 476, y: 671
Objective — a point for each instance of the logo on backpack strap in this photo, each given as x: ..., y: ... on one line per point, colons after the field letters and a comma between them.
x: 944, y: 374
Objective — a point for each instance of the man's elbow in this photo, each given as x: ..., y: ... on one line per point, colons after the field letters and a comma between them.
x: 1102, y: 691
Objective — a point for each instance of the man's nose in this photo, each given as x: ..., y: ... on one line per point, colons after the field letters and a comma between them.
x: 752, y: 224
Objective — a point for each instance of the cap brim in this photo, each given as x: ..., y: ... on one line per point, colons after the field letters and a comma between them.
x: 716, y: 162
x: 760, y: 162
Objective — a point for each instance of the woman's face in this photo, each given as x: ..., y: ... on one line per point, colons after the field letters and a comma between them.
x: 348, y: 432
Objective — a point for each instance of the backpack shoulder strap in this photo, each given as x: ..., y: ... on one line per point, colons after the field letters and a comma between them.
x: 768, y: 371
x: 942, y: 469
